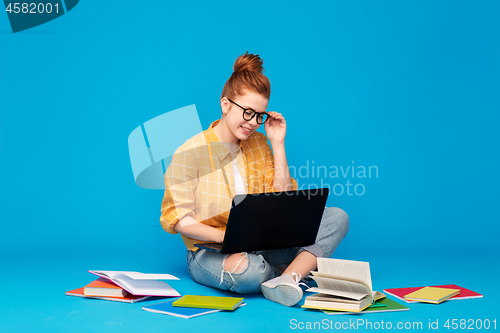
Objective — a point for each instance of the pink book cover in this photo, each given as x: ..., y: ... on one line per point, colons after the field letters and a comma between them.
x: 400, y: 293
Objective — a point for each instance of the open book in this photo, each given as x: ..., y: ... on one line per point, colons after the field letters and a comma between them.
x: 343, y: 285
x: 139, y: 283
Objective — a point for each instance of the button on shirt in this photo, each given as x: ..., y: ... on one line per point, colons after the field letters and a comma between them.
x: 195, y: 184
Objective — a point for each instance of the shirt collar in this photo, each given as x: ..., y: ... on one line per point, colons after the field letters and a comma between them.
x: 216, y: 145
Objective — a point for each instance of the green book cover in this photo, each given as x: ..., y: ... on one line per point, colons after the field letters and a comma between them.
x: 208, y: 302
x: 384, y: 305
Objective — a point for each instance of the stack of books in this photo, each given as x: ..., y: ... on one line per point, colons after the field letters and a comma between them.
x: 343, y: 285
x: 124, y: 286
x: 432, y: 294
x: 190, y: 306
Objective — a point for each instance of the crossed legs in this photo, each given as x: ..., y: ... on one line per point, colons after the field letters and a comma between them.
x: 244, y: 272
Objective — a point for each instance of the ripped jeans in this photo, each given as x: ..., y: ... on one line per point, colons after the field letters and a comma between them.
x: 207, y: 267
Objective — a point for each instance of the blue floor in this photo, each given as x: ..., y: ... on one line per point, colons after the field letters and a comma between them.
x: 34, y: 299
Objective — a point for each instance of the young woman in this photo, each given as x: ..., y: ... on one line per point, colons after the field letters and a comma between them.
x: 230, y: 158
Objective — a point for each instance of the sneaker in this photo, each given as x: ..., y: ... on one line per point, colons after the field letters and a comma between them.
x: 283, y: 289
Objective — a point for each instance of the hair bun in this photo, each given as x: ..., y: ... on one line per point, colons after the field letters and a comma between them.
x: 247, y: 76
x: 248, y: 62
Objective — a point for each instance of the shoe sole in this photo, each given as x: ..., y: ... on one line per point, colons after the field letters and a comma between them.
x: 283, y: 294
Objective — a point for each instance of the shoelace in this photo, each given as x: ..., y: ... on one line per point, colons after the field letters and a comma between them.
x: 298, y: 278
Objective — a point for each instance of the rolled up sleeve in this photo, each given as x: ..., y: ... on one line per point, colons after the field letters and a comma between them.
x: 179, y: 199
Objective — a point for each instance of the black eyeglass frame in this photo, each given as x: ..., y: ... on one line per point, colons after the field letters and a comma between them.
x: 253, y: 115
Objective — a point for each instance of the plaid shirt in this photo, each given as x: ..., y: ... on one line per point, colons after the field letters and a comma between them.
x: 196, y: 179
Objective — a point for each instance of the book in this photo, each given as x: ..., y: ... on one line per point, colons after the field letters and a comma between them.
x: 208, y: 302
x: 177, y: 311
x: 400, y: 293
x: 139, y: 283
x: 104, y: 287
x: 432, y: 295
x: 343, y: 285
x: 135, y: 275
x: 127, y: 299
x: 390, y: 306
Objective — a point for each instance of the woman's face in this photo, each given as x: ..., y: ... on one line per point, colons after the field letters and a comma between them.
x: 240, y: 128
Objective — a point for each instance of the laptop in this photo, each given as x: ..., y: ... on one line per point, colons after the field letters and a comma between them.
x: 266, y: 221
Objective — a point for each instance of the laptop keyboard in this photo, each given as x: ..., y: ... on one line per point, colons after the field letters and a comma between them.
x: 215, y: 246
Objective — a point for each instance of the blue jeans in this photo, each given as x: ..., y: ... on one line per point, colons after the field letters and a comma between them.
x: 206, y: 267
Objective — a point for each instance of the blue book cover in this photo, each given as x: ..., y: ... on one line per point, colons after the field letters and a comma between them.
x: 167, y: 308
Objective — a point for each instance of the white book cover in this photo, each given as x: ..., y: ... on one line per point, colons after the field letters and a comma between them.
x: 139, y: 283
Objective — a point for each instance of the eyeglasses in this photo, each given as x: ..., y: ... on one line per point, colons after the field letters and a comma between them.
x: 249, y: 114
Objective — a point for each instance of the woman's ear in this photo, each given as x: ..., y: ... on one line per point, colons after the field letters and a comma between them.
x: 224, y: 105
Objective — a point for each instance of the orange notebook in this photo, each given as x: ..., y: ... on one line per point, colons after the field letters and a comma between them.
x: 127, y: 299
x: 104, y: 287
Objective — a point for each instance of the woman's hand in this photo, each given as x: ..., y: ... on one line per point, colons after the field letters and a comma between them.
x: 188, y: 226
x: 275, y: 128
x: 221, y: 236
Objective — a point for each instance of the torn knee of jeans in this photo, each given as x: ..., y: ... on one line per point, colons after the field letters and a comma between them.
x: 236, y: 264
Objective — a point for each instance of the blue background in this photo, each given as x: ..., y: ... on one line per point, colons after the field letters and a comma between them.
x: 409, y: 87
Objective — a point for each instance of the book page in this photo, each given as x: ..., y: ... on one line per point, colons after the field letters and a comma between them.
x: 144, y: 287
x: 144, y: 276
x: 110, y: 274
x: 341, y: 288
x: 134, y: 275
x: 359, y: 270
x: 340, y: 293
x: 331, y: 276
x: 330, y: 298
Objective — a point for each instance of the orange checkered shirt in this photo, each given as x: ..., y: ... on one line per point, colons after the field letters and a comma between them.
x: 195, y: 184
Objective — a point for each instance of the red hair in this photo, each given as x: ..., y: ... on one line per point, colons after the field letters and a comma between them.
x: 247, y: 75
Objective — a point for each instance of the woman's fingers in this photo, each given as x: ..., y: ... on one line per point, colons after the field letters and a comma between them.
x: 275, y: 115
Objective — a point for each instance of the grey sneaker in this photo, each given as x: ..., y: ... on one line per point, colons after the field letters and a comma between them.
x: 283, y: 289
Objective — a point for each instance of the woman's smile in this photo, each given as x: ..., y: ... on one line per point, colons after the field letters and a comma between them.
x: 246, y: 130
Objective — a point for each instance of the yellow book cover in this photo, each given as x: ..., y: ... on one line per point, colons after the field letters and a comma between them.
x: 432, y: 294
x: 208, y: 302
